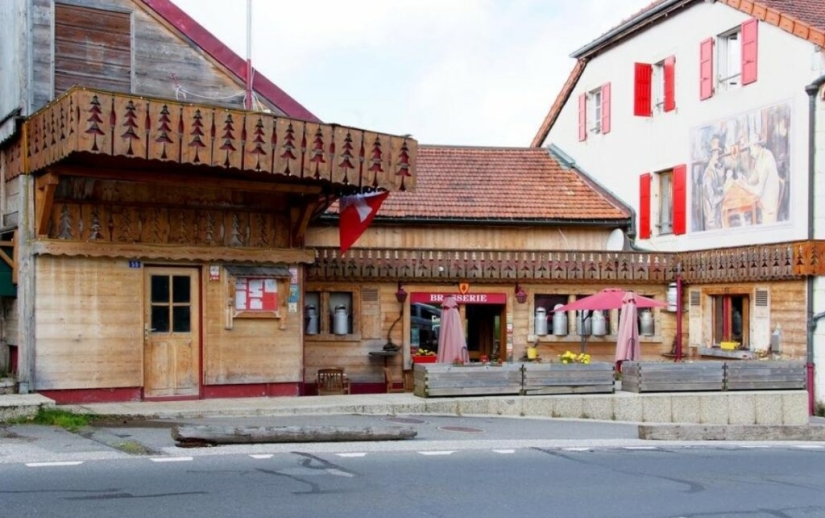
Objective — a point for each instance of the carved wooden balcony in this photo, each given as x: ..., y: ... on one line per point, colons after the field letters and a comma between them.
x: 119, y: 125
x: 780, y: 261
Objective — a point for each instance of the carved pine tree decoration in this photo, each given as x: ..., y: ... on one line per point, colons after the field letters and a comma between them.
x: 164, y: 129
x: 258, y: 141
x: 94, y: 121
x: 288, y: 147
x: 227, y: 136
x: 94, y: 228
x: 317, y: 156
x: 347, y: 157
x: 65, y: 223
x: 130, y: 124
x: 197, y: 135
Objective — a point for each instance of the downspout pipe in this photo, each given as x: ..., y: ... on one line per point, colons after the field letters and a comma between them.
x: 812, y: 90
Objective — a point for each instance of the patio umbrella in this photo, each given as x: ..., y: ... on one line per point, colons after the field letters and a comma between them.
x: 627, y: 345
x: 451, y: 343
x: 607, y: 299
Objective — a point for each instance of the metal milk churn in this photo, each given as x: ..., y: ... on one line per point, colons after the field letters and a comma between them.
x: 583, y: 323
x: 559, y: 321
x: 646, y: 318
x: 541, y: 321
x: 312, y: 320
x: 599, y: 324
x: 340, y: 321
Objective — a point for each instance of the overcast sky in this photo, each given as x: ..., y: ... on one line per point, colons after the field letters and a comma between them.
x: 464, y: 72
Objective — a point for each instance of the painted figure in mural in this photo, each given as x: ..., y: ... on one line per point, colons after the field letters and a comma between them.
x: 763, y: 181
x: 713, y: 181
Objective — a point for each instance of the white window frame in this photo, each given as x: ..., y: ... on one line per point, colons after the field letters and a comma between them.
x: 729, y: 59
x: 594, y: 111
x: 664, y: 185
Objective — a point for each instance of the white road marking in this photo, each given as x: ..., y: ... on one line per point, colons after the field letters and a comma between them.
x: 439, y: 452
x: 576, y: 449
x: 339, y: 473
x: 750, y: 446
x: 810, y: 446
x: 170, y: 459
x: 640, y: 448
x: 50, y: 464
x: 504, y: 451
x: 262, y: 456
x: 354, y: 454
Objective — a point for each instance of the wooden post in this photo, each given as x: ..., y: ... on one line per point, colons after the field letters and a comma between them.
x: 26, y: 285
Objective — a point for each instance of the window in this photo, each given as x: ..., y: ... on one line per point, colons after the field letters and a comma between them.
x: 658, y: 85
x: 729, y: 58
x: 594, y: 112
x: 665, y: 224
x: 594, y: 101
x: 549, y: 303
x: 425, y: 324
x: 731, y: 319
x: 330, y: 313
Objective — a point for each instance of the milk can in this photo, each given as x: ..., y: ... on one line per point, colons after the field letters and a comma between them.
x: 340, y: 321
x: 312, y: 319
x: 646, y: 318
x: 583, y: 323
x: 559, y: 321
x: 541, y: 321
x: 599, y: 324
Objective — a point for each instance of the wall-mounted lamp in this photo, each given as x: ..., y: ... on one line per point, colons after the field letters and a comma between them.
x: 521, y: 295
x: 401, y: 294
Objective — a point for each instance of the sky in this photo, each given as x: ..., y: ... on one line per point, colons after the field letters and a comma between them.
x: 452, y: 72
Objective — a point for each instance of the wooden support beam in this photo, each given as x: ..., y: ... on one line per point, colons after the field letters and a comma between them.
x: 299, y: 221
x: 44, y: 198
x: 182, y: 179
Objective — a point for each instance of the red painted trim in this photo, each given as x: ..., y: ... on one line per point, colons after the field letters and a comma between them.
x: 582, y: 117
x: 468, y: 298
x: 202, y: 310
x: 644, y: 206
x: 642, y: 79
x: 606, y: 108
x: 78, y: 396
x: 670, y: 83
x: 207, y: 42
x: 252, y: 390
x: 13, y: 359
x: 750, y: 51
x: 706, y: 69
x: 680, y: 199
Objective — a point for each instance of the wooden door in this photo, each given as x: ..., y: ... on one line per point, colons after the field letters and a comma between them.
x: 171, y: 335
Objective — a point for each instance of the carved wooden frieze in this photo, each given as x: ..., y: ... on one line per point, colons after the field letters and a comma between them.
x: 96, y: 222
x: 121, y: 125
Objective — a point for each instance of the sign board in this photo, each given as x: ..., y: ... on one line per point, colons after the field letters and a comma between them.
x: 465, y: 298
x: 252, y: 294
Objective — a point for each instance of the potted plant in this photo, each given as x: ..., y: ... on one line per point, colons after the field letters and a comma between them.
x: 424, y: 356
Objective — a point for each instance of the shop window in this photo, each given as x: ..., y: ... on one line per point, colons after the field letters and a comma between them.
x: 588, y: 321
x: 731, y: 319
x: 645, y: 319
x: 549, y: 303
x: 330, y: 313
x: 425, y: 324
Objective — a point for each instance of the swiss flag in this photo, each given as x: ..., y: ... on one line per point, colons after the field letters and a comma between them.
x: 356, y: 214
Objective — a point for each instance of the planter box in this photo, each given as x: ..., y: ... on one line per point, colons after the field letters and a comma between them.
x: 572, y: 378
x: 765, y: 375
x: 424, y: 359
x: 672, y: 377
x: 442, y: 379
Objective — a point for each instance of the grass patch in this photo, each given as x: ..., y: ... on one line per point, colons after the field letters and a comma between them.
x: 819, y: 410
x: 58, y: 417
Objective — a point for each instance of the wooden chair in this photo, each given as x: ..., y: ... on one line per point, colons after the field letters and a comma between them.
x: 390, y: 381
x: 332, y: 381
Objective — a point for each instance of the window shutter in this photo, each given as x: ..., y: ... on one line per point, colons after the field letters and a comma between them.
x: 582, y: 117
x: 706, y: 69
x: 760, y: 331
x: 643, y: 77
x: 606, y: 108
x: 749, y: 51
x: 644, y: 206
x: 679, y: 199
x: 670, y: 83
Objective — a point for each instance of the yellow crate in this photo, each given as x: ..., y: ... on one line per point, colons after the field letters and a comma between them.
x: 729, y: 346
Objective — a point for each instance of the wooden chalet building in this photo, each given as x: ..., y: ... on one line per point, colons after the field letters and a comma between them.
x: 155, y: 239
x: 708, y: 118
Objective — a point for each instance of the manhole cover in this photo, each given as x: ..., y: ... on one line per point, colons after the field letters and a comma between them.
x: 463, y: 429
x: 405, y: 420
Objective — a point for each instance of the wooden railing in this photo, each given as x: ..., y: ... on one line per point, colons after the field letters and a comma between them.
x: 780, y: 261
x: 106, y: 123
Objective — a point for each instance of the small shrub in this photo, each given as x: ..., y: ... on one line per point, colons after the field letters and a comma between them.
x: 819, y: 409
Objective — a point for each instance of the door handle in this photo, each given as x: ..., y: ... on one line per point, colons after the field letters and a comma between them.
x: 146, y: 331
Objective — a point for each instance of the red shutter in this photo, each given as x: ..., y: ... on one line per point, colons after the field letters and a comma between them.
x: 670, y: 83
x: 582, y: 117
x: 644, y: 206
x: 706, y: 69
x: 749, y: 51
x: 679, y: 199
x: 606, y: 108
x: 643, y: 79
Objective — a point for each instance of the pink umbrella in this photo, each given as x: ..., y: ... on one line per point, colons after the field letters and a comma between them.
x: 451, y: 344
x: 627, y: 345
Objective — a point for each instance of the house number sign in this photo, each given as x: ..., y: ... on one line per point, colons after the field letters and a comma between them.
x: 134, y: 263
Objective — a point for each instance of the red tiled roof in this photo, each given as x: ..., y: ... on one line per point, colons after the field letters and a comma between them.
x: 206, y: 41
x: 510, y: 184
x: 802, y: 18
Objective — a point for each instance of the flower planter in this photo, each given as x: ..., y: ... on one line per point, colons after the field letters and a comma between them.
x: 672, y: 377
x: 765, y: 375
x: 424, y: 359
x: 442, y: 379
x: 571, y: 378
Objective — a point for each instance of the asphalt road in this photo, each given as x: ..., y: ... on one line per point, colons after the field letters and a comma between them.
x: 784, y: 481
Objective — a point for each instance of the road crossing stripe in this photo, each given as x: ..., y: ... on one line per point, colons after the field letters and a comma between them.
x: 170, y: 459
x: 354, y: 454
x: 439, y: 452
x: 640, y: 448
x: 576, y: 449
x: 51, y: 464
x: 504, y: 451
x: 262, y: 456
x: 810, y: 446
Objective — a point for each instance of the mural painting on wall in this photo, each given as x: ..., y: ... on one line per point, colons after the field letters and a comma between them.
x: 740, y: 170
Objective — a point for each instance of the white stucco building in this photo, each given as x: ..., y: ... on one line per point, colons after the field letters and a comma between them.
x: 695, y: 112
